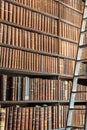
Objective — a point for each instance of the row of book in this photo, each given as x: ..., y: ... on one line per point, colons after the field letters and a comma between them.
x: 77, y: 4
x: 68, y: 31
x: 66, y: 66
x: 17, y: 88
x: 65, y: 90
x: 28, y: 18
x: 19, y: 59
x: 67, y: 49
x: 50, y: 6
x: 47, y: 6
x: 78, y: 118
x: 26, y: 39
x: 29, y: 118
x: 70, y: 15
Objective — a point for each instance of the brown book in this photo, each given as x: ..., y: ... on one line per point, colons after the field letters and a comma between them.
x: 6, y: 11
x: 3, y: 87
x: 30, y: 18
x: 10, y: 8
x: 45, y: 117
x: 2, y: 8
x: 41, y: 115
x: 4, y: 57
x: 1, y: 32
x: 18, y: 120
x: 15, y: 118
x: 30, y: 117
x: 27, y: 18
x: 2, y: 118
x: 10, y: 118
x: 9, y: 35
x: 5, y: 34
x: 22, y: 118
x: 6, y: 118
x: 14, y: 14
x: 27, y: 118
x: 13, y: 36
x: 18, y: 14
x: 37, y: 118
x: 49, y: 118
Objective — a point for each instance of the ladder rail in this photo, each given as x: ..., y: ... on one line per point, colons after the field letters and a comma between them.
x: 76, y: 70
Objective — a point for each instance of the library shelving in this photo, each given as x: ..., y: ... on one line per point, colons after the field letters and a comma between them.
x: 38, y: 45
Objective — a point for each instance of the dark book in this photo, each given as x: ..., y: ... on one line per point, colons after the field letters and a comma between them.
x: 19, y: 88
x: 3, y: 87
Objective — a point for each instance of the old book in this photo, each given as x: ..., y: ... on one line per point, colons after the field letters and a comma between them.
x: 19, y: 88
x: 22, y: 118
x: 2, y: 118
x: 18, y: 14
x: 2, y: 9
x: 5, y: 34
x: 27, y: 118
x: 41, y: 116
x: 49, y: 118
x: 9, y: 35
x: 18, y: 120
x: 10, y: 118
x: 30, y: 117
x: 1, y: 32
x: 45, y: 117
x: 14, y: 118
x: 26, y: 88
x: 6, y: 118
x: 6, y: 11
x: 10, y: 8
x: 37, y: 118
x: 3, y: 87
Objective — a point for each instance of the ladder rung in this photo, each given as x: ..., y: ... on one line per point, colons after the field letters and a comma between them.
x: 80, y: 127
x: 84, y: 31
x: 77, y: 109
x: 82, y: 61
x: 79, y: 91
x: 82, y: 46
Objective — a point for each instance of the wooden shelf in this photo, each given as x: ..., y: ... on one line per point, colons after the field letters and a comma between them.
x: 40, y: 102
x: 28, y: 103
x: 36, y: 51
x: 32, y: 73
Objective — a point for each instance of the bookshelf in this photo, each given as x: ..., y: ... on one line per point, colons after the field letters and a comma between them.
x: 38, y: 44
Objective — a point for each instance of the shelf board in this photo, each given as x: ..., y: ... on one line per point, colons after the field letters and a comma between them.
x: 40, y: 102
x: 28, y: 103
x: 13, y: 71
x: 36, y: 51
x: 25, y: 72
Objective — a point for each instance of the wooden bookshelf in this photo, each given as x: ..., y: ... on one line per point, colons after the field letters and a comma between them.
x: 38, y: 45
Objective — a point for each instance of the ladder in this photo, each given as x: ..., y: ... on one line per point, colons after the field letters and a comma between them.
x: 79, y: 61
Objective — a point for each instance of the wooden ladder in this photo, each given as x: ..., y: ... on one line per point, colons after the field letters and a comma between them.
x: 79, y: 61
